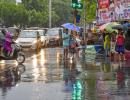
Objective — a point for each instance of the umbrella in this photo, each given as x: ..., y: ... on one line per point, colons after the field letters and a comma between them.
x: 71, y: 27
x: 123, y: 27
x: 126, y: 24
x: 108, y: 26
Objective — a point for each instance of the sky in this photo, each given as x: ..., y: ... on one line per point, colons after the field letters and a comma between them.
x: 18, y: 0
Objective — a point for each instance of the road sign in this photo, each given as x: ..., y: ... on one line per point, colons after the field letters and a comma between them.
x: 77, y: 5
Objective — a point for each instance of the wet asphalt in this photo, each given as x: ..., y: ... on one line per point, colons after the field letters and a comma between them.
x: 47, y: 76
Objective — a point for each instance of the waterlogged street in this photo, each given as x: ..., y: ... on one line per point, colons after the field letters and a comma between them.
x: 35, y: 33
x: 47, y: 76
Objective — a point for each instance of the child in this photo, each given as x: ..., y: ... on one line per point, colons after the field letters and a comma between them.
x: 120, y: 41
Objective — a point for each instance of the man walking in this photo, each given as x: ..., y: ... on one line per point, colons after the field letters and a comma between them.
x: 66, y: 38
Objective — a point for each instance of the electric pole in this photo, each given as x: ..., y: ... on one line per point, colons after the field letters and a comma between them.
x: 50, y: 4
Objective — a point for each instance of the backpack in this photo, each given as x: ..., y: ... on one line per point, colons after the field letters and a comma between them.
x: 120, y: 40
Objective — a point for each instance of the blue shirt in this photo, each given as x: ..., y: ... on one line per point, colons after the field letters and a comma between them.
x: 66, y: 38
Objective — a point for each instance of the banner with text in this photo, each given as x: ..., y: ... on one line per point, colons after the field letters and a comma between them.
x: 113, y: 10
x: 122, y: 9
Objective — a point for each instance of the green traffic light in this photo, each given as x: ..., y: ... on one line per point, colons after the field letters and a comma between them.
x: 80, y: 5
x: 77, y: 5
x: 74, y: 5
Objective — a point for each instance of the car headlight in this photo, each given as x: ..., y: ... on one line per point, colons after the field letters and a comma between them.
x: 57, y: 37
x: 34, y: 41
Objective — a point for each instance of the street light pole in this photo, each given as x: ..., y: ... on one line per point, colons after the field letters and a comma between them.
x: 50, y: 3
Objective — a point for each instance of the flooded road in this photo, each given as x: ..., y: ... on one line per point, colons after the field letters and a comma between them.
x: 46, y: 76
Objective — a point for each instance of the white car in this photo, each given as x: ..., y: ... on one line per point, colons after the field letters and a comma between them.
x: 29, y: 39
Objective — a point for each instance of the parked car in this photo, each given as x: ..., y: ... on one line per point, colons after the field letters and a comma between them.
x: 30, y: 39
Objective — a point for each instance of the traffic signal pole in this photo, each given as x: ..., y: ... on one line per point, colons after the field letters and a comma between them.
x: 76, y: 4
x: 74, y: 18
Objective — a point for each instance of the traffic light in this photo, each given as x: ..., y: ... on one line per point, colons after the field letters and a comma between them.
x: 75, y: 4
x: 74, y: 1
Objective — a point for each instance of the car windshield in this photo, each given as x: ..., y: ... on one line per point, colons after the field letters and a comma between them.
x: 52, y: 32
x: 28, y: 34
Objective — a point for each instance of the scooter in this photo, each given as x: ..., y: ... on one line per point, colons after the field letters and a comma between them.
x: 17, y: 54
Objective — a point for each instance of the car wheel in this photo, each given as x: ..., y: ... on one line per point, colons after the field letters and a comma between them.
x: 20, y: 58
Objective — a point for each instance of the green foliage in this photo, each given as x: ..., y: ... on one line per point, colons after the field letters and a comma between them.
x: 34, y: 12
x: 62, y: 9
x: 10, y: 1
x: 90, y: 8
x: 38, y: 5
x: 12, y: 14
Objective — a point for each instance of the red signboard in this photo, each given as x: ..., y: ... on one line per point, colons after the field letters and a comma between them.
x: 103, y: 4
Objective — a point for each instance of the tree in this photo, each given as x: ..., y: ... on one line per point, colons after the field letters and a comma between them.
x: 9, y: 1
x: 13, y: 14
x: 38, y: 12
x: 38, y: 5
x: 62, y: 8
x: 90, y: 8
x: 34, y: 12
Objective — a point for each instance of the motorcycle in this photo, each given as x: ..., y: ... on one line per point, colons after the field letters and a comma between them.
x: 17, y: 54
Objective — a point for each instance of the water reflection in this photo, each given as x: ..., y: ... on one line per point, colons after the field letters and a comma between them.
x: 122, y: 77
x: 45, y: 68
x: 2, y: 61
x: 119, y: 85
x: 72, y: 83
x: 106, y: 66
x: 39, y: 70
x: 69, y: 75
x: 10, y: 77
x: 77, y: 93
x: 39, y: 58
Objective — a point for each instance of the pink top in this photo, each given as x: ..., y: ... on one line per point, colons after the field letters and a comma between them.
x: 7, y: 44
